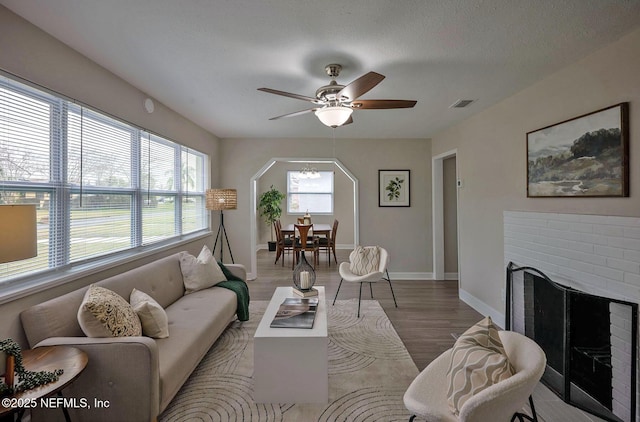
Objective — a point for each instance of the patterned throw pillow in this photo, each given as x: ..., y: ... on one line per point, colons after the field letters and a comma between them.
x: 201, y: 272
x: 477, y: 362
x: 104, y: 313
x: 153, y: 318
x: 364, y: 260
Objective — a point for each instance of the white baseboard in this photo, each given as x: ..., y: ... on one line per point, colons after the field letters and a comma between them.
x: 450, y: 276
x: 410, y: 276
x: 481, y: 307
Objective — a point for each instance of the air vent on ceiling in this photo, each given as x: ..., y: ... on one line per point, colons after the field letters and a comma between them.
x: 461, y: 103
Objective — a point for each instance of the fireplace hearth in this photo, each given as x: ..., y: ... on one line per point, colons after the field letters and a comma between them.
x: 590, y: 341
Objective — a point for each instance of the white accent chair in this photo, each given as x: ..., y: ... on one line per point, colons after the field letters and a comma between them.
x: 426, y: 397
x: 373, y: 277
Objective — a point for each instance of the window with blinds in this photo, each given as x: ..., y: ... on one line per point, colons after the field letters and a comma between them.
x: 312, y: 194
x: 100, y: 185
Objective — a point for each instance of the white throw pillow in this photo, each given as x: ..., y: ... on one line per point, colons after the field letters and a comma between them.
x: 478, y: 361
x: 364, y: 260
x: 104, y: 313
x: 154, y: 320
x: 201, y: 272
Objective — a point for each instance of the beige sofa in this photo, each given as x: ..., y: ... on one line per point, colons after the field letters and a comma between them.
x: 138, y: 376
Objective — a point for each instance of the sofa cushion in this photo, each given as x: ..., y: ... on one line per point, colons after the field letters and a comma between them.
x: 153, y: 318
x: 195, y: 322
x: 364, y: 260
x: 104, y: 313
x: 478, y: 360
x: 201, y: 272
x: 58, y: 317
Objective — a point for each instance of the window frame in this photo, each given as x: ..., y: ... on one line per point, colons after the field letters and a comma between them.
x: 302, y: 212
x: 59, y: 265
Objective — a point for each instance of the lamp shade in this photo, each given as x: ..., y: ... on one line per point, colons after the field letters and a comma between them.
x: 334, y: 116
x: 222, y: 199
x: 18, y: 232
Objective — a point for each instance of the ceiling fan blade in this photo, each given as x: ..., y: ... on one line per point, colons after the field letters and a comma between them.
x: 361, y: 85
x: 382, y: 104
x: 295, y: 113
x: 288, y: 94
x: 349, y: 121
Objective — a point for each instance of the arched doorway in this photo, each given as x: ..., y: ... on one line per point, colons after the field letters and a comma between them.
x: 253, y: 193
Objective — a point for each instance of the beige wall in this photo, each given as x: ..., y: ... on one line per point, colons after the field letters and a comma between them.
x: 343, y: 201
x: 30, y: 53
x: 405, y: 232
x: 491, y: 158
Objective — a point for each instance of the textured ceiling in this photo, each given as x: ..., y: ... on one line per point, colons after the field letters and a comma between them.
x: 206, y: 58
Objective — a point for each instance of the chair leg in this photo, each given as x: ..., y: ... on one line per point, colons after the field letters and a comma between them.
x: 523, y: 416
x: 334, y: 299
x: 279, y: 252
x: 371, y: 290
x: 359, y: 299
x: 334, y: 254
x: 391, y: 287
x: 412, y: 418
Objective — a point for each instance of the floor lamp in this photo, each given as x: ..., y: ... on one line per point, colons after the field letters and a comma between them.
x: 222, y: 199
x: 18, y: 240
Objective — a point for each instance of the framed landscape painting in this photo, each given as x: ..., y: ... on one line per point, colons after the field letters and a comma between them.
x: 393, y: 187
x: 587, y: 156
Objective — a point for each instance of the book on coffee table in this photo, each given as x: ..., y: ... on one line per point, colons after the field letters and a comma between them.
x: 296, y: 312
x: 305, y: 293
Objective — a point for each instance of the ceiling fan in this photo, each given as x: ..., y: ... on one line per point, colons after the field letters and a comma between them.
x: 336, y: 102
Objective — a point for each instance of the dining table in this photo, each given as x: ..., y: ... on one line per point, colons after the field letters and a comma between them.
x: 319, y: 229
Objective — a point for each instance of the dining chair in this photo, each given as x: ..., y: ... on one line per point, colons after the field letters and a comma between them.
x: 328, y: 243
x: 305, y: 242
x: 284, y: 244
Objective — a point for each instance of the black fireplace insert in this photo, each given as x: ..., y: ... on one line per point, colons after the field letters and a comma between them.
x: 590, y: 342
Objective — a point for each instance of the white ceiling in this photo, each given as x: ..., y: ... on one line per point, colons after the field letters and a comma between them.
x: 206, y: 58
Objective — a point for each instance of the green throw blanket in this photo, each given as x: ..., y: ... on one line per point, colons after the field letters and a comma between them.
x: 240, y: 288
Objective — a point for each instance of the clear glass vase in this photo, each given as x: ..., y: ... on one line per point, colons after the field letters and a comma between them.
x: 304, y: 276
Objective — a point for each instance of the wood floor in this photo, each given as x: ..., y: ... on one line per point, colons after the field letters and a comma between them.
x: 428, y: 313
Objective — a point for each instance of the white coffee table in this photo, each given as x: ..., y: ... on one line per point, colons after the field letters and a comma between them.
x: 290, y: 365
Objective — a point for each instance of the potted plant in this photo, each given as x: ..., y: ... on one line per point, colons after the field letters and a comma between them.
x: 269, y: 207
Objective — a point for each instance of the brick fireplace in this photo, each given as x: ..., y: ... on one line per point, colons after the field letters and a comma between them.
x: 598, y: 255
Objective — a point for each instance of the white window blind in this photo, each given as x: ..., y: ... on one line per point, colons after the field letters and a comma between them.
x: 28, y: 127
x: 100, y: 185
x: 194, y: 214
x: 159, y: 189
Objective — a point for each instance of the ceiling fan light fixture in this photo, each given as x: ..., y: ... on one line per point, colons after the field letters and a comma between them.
x: 334, y: 116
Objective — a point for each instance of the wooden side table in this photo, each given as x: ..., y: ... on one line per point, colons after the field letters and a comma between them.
x: 48, y: 358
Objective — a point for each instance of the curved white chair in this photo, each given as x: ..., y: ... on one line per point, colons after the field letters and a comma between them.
x: 379, y: 275
x: 426, y: 397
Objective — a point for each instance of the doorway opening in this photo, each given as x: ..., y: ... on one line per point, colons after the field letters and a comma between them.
x: 252, y: 272
x: 442, y: 213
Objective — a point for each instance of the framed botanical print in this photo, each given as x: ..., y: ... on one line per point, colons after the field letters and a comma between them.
x: 394, y: 188
x: 587, y: 156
